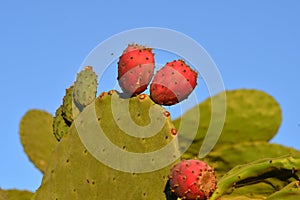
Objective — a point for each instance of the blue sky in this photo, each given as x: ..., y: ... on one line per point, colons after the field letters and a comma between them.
x: 255, y: 44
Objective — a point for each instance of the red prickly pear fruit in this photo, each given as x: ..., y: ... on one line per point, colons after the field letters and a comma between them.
x: 135, y: 69
x: 192, y: 179
x: 173, y: 83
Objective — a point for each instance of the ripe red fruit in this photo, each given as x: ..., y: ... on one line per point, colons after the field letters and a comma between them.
x: 173, y: 83
x: 193, y: 179
x: 135, y: 69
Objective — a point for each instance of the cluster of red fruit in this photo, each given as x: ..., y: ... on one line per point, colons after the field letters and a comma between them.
x: 171, y: 84
x: 174, y: 82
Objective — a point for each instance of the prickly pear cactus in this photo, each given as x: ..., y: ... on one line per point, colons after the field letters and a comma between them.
x: 114, y: 147
x: 251, y: 115
x: 37, y: 138
x: 74, y: 173
x: 15, y: 194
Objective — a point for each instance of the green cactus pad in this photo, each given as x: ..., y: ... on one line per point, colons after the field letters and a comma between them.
x: 14, y: 194
x: 69, y: 109
x: 241, y: 197
x: 251, y: 115
x: 85, y: 87
x: 276, y: 172
x: 228, y: 156
x: 60, y: 127
x: 36, y: 137
x: 261, y: 189
x: 75, y: 173
x: 289, y: 192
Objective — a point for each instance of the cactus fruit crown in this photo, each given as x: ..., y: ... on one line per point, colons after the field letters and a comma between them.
x: 192, y: 179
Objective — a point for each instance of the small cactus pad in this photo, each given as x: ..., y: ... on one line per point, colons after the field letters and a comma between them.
x: 75, y: 173
x: 60, y: 127
x: 85, y: 87
x: 36, y: 137
x: 69, y: 109
x: 14, y: 194
x: 251, y: 115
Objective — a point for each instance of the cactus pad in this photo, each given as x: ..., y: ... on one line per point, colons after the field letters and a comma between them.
x: 85, y: 87
x: 14, y: 194
x: 36, y: 137
x: 270, y: 173
x: 69, y: 109
x: 228, y: 156
x: 251, y: 115
x: 289, y: 192
x: 60, y: 126
x: 68, y: 178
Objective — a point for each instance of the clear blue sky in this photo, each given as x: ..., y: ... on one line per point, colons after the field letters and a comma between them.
x: 255, y: 44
